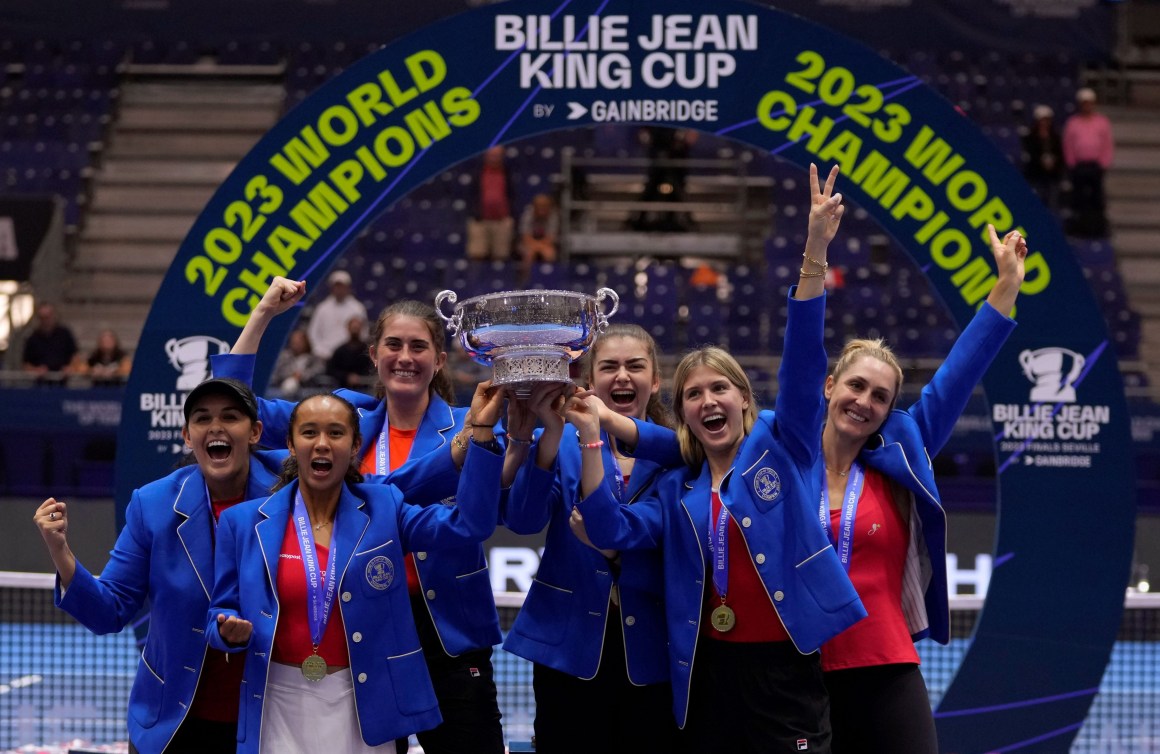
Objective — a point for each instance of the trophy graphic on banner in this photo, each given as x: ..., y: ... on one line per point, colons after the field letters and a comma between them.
x: 1045, y: 368
x: 190, y: 356
x: 528, y: 337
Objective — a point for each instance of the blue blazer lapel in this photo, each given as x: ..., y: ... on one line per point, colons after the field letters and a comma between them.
x: 195, y: 532
x: 350, y: 523
x: 271, y: 528
x: 696, y: 499
x: 437, y: 421
x: 370, y: 424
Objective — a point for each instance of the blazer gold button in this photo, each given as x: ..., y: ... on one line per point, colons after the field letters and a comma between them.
x: 778, y: 596
x: 421, y: 555
x: 362, y: 677
x: 746, y: 522
x: 630, y: 621
x: 357, y: 636
x: 346, y: 596
x: 760, y: 558
x: 430, y: 594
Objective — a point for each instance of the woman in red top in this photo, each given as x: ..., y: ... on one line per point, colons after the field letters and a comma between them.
x: 880, y: 507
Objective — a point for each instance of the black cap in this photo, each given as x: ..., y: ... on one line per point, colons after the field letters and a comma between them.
x: 229, y: 387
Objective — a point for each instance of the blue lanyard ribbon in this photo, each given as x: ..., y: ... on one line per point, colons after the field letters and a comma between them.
x: 614, y: 473
x: 719, y: 548
x: 383, y: 450
x: 844, y: 541
x: 319, y: 599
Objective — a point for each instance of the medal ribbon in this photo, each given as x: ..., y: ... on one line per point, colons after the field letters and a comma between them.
x: 719, y: 549
x: 319, y: 599
x: 615, y: 475
x: 383, y: 450
x: 844, y: 541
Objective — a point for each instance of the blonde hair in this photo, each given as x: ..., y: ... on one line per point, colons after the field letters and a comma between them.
x: 874, y: 348
x: 720, y: 361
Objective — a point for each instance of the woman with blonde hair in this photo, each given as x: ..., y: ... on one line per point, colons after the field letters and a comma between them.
x: 880, y: 507
x: 752, y: 586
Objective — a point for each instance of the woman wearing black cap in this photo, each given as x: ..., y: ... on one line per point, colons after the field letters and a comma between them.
x: 184, y: 698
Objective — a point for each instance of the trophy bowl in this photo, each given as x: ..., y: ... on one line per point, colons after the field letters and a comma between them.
x: 527, y: 337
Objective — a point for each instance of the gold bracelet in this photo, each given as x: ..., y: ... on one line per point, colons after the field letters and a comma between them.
x: 805, y: 274
x: 824, y: 265
x: 458, y: 441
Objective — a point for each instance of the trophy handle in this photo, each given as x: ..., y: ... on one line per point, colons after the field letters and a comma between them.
x: 1077, y: 362
x: 601, y: 317
x: 453, y: 322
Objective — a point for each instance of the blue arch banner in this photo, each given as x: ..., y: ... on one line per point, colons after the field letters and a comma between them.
x: 785, y: 86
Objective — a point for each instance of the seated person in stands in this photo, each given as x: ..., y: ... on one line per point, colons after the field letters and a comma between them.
x: 50, y: 348
x: 350, y: 365
x: 539, y: 232
x: 108, y: 364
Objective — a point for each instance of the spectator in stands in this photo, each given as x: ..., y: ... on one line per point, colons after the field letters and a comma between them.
x: 539, y: 232
x: 184, y: 699
x: 50, y: 348
x: 1043, y: 157
x: 327, y: 329
x: 667, y: 148
x: 408, y: 422
x: 302, y: 662
x: 878, y: 480
x: 108, y: 364
x: 490, y: 229
x: 297, y: 368
x: 1087, y: 149
x: 350, y: 365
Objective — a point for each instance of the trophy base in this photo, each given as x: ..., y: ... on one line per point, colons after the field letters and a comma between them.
x: 523, y: 371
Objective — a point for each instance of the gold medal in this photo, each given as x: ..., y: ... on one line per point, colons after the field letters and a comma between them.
x: 314, y: 668
x: 722, y: 618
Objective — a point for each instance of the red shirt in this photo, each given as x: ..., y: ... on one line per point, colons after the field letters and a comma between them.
x: 220, y: 684
x: 292, y: 642
x: 493, y: 194
x: 399, y: 444
x: 877, y: 561
x: 746, y: 594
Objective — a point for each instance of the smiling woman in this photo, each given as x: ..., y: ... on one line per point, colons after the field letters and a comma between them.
x: 165, y: 555
x: 752, y: 588
x: 309, y: 583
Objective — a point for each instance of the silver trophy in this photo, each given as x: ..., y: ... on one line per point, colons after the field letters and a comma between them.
x: 528, y: 337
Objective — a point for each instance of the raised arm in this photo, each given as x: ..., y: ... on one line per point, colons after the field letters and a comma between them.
x: 945, y: 396
x: 1010, y: 254
x: 826, y: 212
x: 106, y: 604
x: 799, y: 409
x: 282, y: 296
x: 536, y: 488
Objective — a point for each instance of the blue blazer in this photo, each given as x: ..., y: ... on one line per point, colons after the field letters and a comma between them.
x: 163, y: 554
x: 902, y: 450
x: 374, y: 527
x: 562, y: 621
x: 770, y: 492
x: 466, y: 624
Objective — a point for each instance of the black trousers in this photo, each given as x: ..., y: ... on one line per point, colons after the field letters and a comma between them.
x: 465, y: 688
x: 197, y: 736
x: 761, y: 698
x: 606, y: 714
x: 881, y: 708
x: 1087, y: 200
